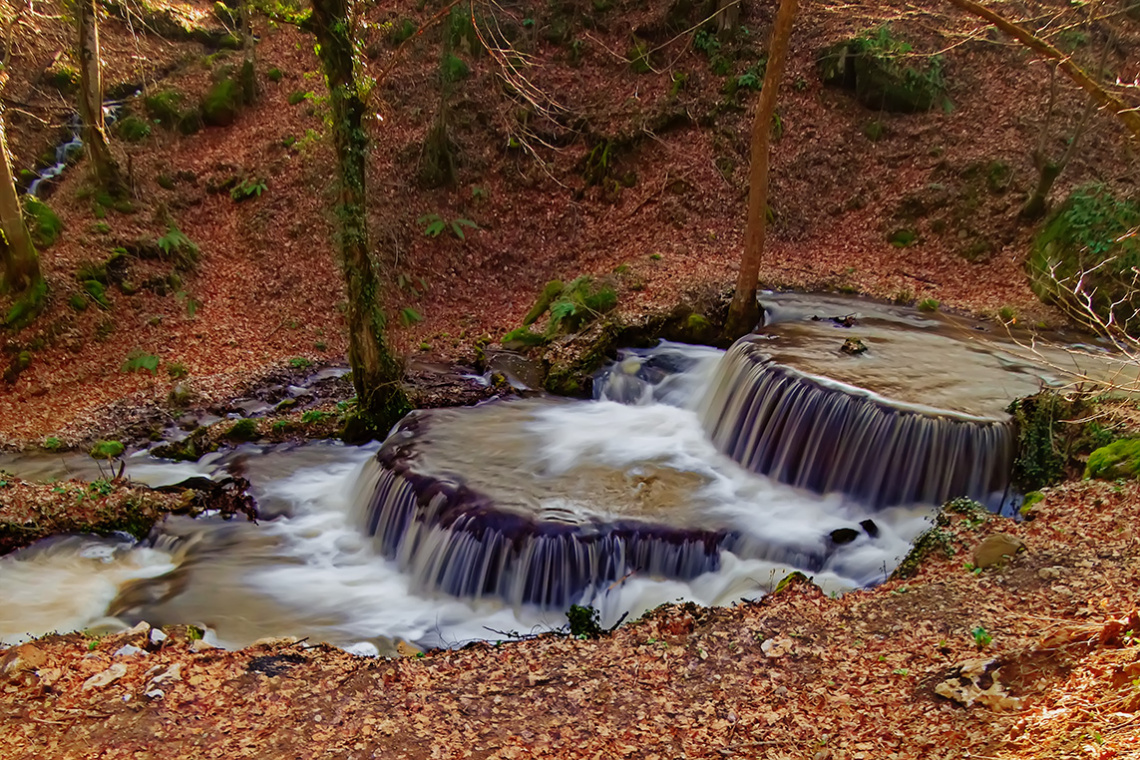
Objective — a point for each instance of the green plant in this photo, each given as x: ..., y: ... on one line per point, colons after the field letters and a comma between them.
x: 300, y: 362
x: 928, y: 305
x: 178, y: 247
x: 409, y: 316
x: 106, y: 450
x: 903, y: 238
x: 274, y: 75
x: 43, y: 223
x: 435, y: 225
x: 100, y: 487
x: 51, y: 443
x: 177, y: 370
x: 315, y: 416
x: 982, y: 637
x: 97, y: 291
x: 583, y: 622
x: 298, y: 96
x: 138, y: 360
x: 402, y: 30
x: 874, y: 130
x: 221, y: 103
x: 132, y: 129
x: 251, y: 187
x: 753, y: 77
x: 280, y: 426
x: 1007, y: 314
x: 638, y: 56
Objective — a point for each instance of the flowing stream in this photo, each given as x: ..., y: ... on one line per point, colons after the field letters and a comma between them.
x: 693, y: 476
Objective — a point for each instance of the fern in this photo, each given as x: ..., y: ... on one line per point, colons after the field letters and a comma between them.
x: 410, y: 316
x: 137, y: 361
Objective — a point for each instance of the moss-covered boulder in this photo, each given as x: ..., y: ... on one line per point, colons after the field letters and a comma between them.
x: 221, y: 103
x: 885, y: 73
x: 1084, y: 252
x: 167, y: 107
x: 1119, y: 459
x: 43, y: 223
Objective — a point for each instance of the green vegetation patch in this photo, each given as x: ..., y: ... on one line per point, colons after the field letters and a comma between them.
x: 221, y: 103
x: 167, y: 109
x: 132, y: 129
x: 1119, y: 459
x: 43, y: 223
x: 107, y: 450
x: 1087, y: 246
x: 242, y: 430
x: 885, y: 73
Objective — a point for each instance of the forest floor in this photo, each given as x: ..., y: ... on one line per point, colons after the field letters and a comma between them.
x: 795, y: 675
x: 1042, y: 647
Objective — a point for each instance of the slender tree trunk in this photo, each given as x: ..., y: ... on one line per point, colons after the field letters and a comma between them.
x: 1108, y: 101
x: 249, y: 65
x: 376, y: 373
x: 744, y: 312
x: 21, y: 263
x: 727, y: 17
x: 94, y: 132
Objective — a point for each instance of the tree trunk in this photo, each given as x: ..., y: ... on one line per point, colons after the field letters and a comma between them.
x: 744, y: 312
x: 249, y: 65
x: 1037, y: 203
x: 93, y: 131
x: 376, y: 374
x: 21, y: 263
x: 727, y: 18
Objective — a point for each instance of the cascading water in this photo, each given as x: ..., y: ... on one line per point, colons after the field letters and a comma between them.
x: 826, y: 436
x: 715, y: 476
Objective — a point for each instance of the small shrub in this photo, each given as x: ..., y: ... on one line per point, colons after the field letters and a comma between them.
x: 435, y: 225
x: 1007, y: 314
x: 982, y: 637
x: 401, y: 30
x: 177, y: 370
x: 242, y: 430
x: 166, y: 109
x: 248, y: 188
x: 410, y: 316
x: 315, y: 416
x: 106, y: 450
x: 43, y: 223
x: 221, y: 103
x: 274, y: 75
x: 181, y: 249
x: 583, y: 622
x: 51, y: 443
x: 300, y: 362
x: 928, y: 305
x: 138, y: 360
x: 297, y: 97
x: 132, y: 128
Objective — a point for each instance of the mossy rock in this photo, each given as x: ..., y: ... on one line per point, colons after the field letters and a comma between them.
x: 242, y: 430
x: 221, y: 104
x: 550, y: 291
x: 166, y: 107
x: 882, y: 72
x: 132, y: 129
x: 1086, y: 240
x: 97, y: 291
x: 1119, y: 459
x: 43, y: 223
x: 106, y: 450
x: 190, y: 449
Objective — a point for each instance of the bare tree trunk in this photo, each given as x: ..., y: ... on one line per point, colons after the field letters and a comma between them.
x: 21, y: 263
x: 376, y: 374
x: 727, y: 17
x: 249, y: 65
x: 1130, y: 116
x: 94, y: 132
x: 744, y: 311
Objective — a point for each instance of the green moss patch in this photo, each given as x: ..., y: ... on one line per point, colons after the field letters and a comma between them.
x: 1119, y: 459
x: 43, y: 223
x: 885, y: 73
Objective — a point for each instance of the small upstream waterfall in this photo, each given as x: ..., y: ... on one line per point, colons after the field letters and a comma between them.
x: 825, y: 436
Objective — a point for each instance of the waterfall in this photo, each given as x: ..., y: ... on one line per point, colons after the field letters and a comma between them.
x: 814, y: 433
x: 453, y: 532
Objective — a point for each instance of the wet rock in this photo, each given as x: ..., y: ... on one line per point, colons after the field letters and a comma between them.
x: 853, y: 346
x: 870, y: 527
x: 274, y: 665
x: 106, y: 677
x: 844, y: 535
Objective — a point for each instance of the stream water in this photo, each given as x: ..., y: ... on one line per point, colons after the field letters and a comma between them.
x: 470, y: 522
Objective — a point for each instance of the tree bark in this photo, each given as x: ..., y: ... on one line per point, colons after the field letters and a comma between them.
x: 93, y: 130
x: 1128, y: 115
x: 744, y: 311
x: 21, y: 263
x: 727, y: 18
x: 249, y: 65
x: 376, y: 373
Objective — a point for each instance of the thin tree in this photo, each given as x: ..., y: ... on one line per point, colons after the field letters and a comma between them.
x: 93, y: 130
x: 744, y: 311
x: 249, y: 64
x: 21, y: 275
x: 376, y: 373
x: 1128, y: 115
